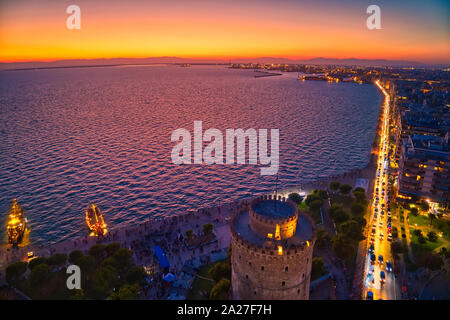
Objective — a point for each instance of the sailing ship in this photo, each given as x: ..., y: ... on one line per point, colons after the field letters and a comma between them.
x: 95, y: 221
x: 16, y: 223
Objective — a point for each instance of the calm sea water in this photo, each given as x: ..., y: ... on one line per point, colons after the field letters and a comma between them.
x: 71, y: 136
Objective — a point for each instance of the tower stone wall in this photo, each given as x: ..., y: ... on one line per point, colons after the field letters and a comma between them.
x: 264, y: 267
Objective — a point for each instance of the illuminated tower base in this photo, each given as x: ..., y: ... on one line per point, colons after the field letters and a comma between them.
x: 272, y: 246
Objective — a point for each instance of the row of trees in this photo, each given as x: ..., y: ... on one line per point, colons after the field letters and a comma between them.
x: 343, y: 189
x: 207, y: 235
x: 349, y: 223
x: 221, y: 274
x: 348, y: 217
x: 106, y: 271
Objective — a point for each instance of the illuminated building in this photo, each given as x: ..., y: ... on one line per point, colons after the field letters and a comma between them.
x: 424, y: 168
x: 272, y: 247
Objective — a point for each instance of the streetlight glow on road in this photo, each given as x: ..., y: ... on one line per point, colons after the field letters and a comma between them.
x: 378, y: 279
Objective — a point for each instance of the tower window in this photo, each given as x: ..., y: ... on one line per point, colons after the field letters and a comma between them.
x: 286, y: 269
x: 283, y: 283
x: 262, y: 268
x: 246, y: 276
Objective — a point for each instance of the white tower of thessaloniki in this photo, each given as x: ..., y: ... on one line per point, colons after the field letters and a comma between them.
x: 272, y: 247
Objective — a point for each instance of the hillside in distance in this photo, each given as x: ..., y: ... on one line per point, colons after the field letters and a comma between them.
x: 175, y: 60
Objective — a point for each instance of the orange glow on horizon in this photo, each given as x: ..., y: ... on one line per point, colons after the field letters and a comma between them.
x: 207, y: 31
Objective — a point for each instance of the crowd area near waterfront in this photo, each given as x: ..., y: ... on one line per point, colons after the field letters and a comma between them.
x: 170, y: 234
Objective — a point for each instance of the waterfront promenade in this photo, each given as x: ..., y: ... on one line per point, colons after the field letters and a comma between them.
x: 167, y: 232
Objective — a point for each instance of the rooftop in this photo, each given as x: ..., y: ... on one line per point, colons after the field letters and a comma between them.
x: 304, y: 231
x: 273, y: 208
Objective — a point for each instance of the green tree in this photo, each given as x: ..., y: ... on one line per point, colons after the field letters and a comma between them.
x: 208, y: 228
x: 361, y: 221
x: 74, y: 256
x: 323, y: 194
x: 334, y: 185
x: 342, y: 248
x: 414, y: 211
x: 112, y: 248
x: 345, y: 189
x: 312, y: 197
x: 351, y: 230
x: 315, y: 205
x: 126, y: 292
x: 317, y: 268
x: 322, y: 237
x: 220, y: 290
x: 360, y: 196
x: 359, y: 189
x: 295, y: 197
x: 424, y: 206
x: 432, y: 236
x: 338, y: 213
x: 189, y: 234
x: 105, y: 278
x: 98, y: 251
x: 135, y: 275
x: 58, y: 259
x: 15, y: 272
x: 123, y: 256
x: 357, y: 209
x: 39, y: 275
x: 220, y: 270
x: 418, y: 232
x: 422, y: 239
x: 87, y: 265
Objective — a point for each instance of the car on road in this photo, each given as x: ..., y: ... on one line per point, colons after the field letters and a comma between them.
x: 388, y: 266
x: 389, y: 238
x: 380, y: 259
x: 382, y: 277
x: 369, y: 295
x: 372, y: 258
x: 372, y: 248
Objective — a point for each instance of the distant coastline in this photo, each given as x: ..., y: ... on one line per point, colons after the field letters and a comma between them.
x: 82, y: 63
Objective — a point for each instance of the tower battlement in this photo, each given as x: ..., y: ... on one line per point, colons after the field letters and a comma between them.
x: 272, y: 250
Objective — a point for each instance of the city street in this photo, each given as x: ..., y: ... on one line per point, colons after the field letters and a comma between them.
x: 378, y: 262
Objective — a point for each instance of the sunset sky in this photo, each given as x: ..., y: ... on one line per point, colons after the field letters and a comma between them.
x: 414, y: 30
